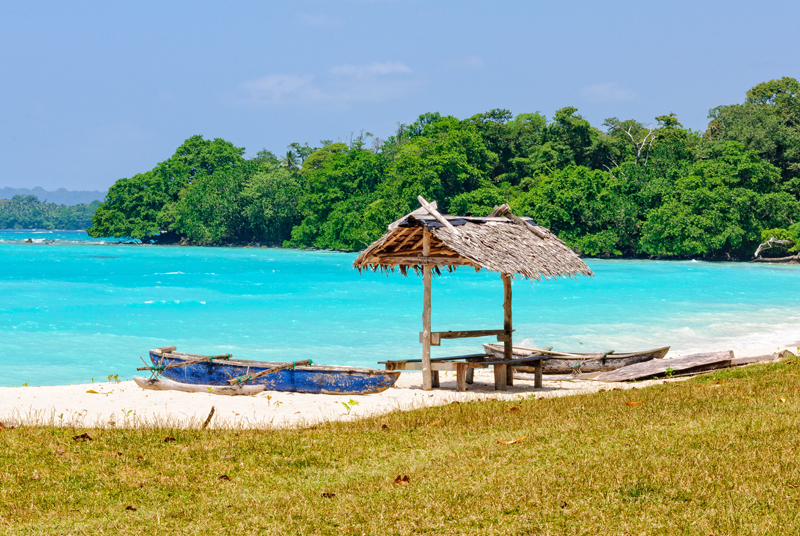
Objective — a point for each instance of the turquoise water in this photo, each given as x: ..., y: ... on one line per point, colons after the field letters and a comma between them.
x: 73, y: 308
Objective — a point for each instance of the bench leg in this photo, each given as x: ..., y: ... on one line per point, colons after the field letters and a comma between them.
x: 509, y: 375
x: 434, y: 378
x: 470, y: 375
x: 500, y: 382
x: 461, y: 376
x: 537, y: 378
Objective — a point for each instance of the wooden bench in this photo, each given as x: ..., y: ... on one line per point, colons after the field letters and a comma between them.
x: 464, y: 365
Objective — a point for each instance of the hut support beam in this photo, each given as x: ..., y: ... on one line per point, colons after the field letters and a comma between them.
x: 427, y: 376
x: 503, y: 374
x: 507, y: 344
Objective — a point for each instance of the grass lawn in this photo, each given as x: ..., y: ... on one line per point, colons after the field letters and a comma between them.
x: 717, y: 454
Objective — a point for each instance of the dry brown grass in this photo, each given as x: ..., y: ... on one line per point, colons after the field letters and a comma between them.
x: 695, y: 457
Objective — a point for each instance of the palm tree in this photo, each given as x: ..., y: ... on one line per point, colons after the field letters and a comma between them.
x: 290, y: 159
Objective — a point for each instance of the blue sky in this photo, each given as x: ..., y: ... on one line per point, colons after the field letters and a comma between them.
x: 96, y: 91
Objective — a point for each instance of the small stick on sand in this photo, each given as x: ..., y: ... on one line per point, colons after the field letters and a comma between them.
x: 208, y: 419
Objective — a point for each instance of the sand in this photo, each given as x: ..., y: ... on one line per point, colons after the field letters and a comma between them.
x: 124, y: 404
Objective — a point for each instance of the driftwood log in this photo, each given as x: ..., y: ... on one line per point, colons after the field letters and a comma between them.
x: 169, y: 385
x: 658, y: 368
x: 772, y: 243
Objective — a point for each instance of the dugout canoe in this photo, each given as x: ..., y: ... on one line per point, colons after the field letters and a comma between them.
x: 316, y: 379
x: 567, y: 362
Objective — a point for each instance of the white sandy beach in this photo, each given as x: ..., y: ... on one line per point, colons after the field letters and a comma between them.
x: 124, y: 404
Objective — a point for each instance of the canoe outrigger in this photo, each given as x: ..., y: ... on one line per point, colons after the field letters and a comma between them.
x: 225, y: 375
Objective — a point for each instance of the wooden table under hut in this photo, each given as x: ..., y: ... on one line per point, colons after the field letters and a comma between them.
x: 427, y: 241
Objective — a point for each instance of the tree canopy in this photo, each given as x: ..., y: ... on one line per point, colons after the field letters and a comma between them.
x: 629, y: 188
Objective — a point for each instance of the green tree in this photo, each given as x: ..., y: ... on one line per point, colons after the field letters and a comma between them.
x: 768, y: 122
x: 144, y: 205
x: 271, y: 201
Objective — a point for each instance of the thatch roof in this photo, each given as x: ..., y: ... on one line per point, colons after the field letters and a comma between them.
x: 501, y: 243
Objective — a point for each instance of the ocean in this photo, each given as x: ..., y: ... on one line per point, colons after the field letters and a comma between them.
x: 75, y: 309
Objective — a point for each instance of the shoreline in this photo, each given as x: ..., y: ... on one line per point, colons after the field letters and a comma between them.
x: 125, y: 405
x: 258, y: 245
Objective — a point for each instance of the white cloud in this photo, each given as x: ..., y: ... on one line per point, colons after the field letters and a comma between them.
x: 608, y: 92
x: 282, y: 88
x: 342, y: 84
x: 372, y: 70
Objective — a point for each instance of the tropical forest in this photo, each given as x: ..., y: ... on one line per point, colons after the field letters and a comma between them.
x: 624, y: 188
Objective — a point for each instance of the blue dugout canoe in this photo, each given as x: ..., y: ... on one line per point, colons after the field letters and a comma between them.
x: 322, y: 379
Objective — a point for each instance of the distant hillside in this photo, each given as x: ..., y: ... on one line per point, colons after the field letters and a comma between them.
x: 61, y: 196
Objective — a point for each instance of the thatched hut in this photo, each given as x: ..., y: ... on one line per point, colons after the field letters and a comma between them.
x: 427, y: 241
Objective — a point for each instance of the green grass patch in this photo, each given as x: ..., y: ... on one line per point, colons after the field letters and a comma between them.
x: 717, y: 454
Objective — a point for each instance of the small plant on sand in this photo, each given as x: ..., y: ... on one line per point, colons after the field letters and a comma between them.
x: 25, y: 384
x: 349, y: 405
x: 112, y: 378
x: 669, y: 372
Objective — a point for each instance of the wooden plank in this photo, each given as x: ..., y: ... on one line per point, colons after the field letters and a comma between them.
x: 166, y: 349
x: 435, y: 213
x: 427, y: 377
x: 169, y: 385
x: 434, y: 378
x: 414, y: 233
x: 507, y: 342
x: 470, y: 333
x: 461, y: 376
x: 739, y: 361
x: 477, y: 219
x: 658, y: 367
x: 417, y: 365
x: 437, y: 336
x: 476, y: 357
x: 537, y: 374
x: 424, y: 260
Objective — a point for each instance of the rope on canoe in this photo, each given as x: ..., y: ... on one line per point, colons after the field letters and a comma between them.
x: 576, y: 368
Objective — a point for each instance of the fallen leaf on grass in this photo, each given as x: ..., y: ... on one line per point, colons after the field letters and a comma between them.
x: 168, y: 439
x: 632, y: 404
x: 60, y: 452
x: 224, y: 477
x: 719, y: 383
x: 435, y: 423
x: 92, y: 392
x: 782, y: 399
x: 511, y: 442
x: 384, y: 426
x: 564, y: 504
x: 84, y: 436
x: 35, y: 474
x: 328, y: 495
x: 512, y: 410
x: 130, y: 508
x: 402, y: 480
x: 792, y: 485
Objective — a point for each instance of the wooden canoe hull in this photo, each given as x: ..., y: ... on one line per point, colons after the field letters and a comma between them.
x: 564, y: 364
x: 309, y: 379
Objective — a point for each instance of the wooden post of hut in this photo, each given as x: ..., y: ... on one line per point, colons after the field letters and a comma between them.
x: 428, y: 380
x: 426, y: 241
